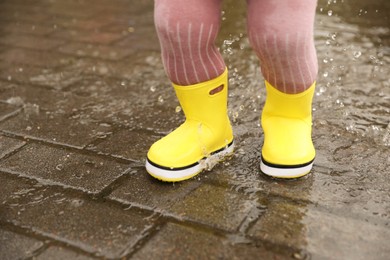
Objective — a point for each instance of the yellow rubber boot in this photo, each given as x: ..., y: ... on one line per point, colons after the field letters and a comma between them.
x: 203, y: 140
x: 288, y: 150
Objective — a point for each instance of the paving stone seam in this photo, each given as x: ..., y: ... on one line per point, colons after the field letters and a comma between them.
x: 161, y: 217
x: 74, y: 245
x: 20, y: 230
x: 141, y: 240
x: 73, y: 148
x: 11, y: 114
x: 47, y: 236
x: 14, y: 151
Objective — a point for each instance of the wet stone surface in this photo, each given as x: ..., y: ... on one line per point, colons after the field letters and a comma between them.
x: 15, y: 246
x: 83, y: 94
x: 215, y: 206
x: 101, y: 229
x: 61, y: 253
x: 8, y: 145
x: 175, y: 241
x: 58, y: 166
x: 142, y: 190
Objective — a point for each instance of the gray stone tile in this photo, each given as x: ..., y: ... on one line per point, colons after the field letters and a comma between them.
x: 128, y: 144
x: 60, y: 253
x: 64, y: 167
x: 141, y: 189
x: 174, y: 241
x: 6, y: 110
x: 282, y: 224
x: 46, y: 112
x: 15, y: 246
x: 8, y: 145
x: 93, y: 226
x: 320, y: 233
x: 215, y: 206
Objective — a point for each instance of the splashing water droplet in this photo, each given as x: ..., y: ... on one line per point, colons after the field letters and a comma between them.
x: 177, y: 109
x: 153, y: 88
x: 330, y: 13
x: 357, y: 54
x: 160, y: 99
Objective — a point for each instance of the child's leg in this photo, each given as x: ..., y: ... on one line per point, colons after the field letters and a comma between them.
x: 187, y: 31
x: 281, y: 33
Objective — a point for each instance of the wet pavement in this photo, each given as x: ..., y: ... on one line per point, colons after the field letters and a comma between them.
x: 83, y: 95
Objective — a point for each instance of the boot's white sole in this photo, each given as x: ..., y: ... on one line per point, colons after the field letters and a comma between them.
x: 183, y: 173
x: 285, y: 171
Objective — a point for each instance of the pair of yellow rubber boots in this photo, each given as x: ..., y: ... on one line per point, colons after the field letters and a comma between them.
x: 206, y: 136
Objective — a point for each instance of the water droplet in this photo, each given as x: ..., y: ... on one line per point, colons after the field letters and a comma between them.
x: 177, y: 109
x: 160, y: 99
x: 357, y: 54
x: 241, y: 107
x: 326, y: 74
x: 18, y: 101
x: 330, y: 12
x: 59, y: 167
x: 153, y: 88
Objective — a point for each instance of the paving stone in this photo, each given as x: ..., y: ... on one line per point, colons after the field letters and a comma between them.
x: 22, y: 13
x: 60, y: 253
x: 282, y: 224
x: 36, y: 58
x: 96, y: 51
x: 6, y: 110
x: 64, y: 167
x: 92, y: 226
x: 138, y: 41
x: 72, y: 23
x: 174, y: 241
x: 57, y: 79
x: 141, y: 189
x: 21, y: 73
x: 87, y: 36
x: 8, y: 145
x: 107, y: 99
x: 44, y: 118
x: 18, y: 27
x: 322, y: 234
x: 215, y: 206
x: 128, y: 144
x: 78, y: 10
x: 15, y: 246
x: 30, y: 42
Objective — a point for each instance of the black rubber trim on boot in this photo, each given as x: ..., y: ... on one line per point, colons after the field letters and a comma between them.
x: 283, y: 166
x: 187, y: 166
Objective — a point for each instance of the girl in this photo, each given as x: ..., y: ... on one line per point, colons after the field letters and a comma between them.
x: 281, y: 34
